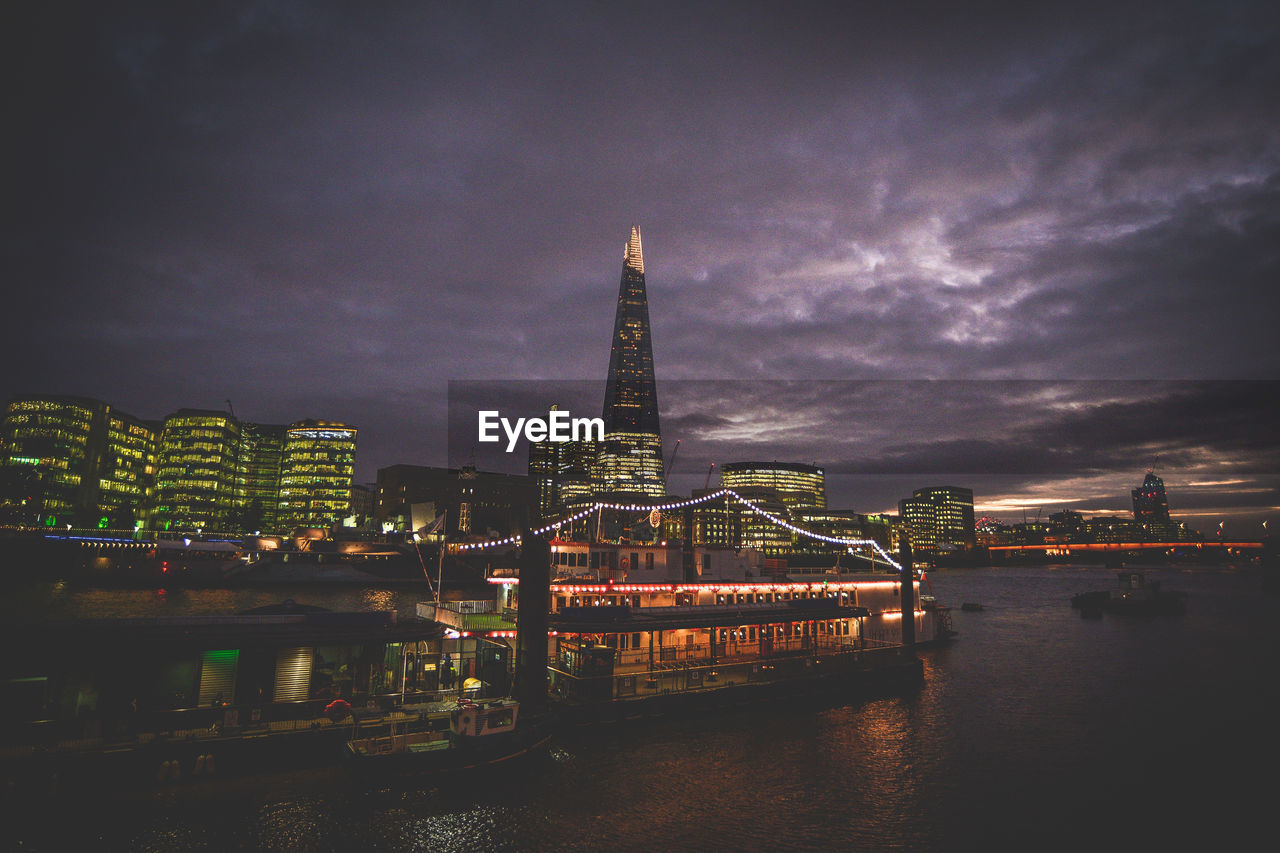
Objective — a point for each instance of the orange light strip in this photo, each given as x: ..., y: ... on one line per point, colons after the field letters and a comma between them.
x: 1121, y: 546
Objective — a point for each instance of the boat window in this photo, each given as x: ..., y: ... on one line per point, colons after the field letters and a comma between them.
x: 648, y: 561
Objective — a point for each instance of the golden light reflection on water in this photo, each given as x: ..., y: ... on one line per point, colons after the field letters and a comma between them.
x: 378, y: 599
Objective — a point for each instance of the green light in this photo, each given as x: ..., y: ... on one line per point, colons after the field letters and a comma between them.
x: 221, y: 655
x: 102, y: 523
x: 50, y: 521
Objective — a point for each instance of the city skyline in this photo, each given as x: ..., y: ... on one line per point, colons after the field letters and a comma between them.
x: 1069, y: 214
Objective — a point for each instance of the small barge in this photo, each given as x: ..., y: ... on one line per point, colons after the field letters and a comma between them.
x: 1131, y: 596
x: 472, y: 735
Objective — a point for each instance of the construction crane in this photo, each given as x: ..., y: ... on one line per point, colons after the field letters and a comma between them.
x: 230, y: 409
x: 672, y: 460
x: 707, y: 484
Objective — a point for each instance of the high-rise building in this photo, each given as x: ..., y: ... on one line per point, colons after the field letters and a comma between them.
x: 316, y: 471
x: 1150, y: 504
x: 561, y: 472
x: 127, y: 472
x: 73, y: 460
x: 796, y: 484
x: 198, y: 482
x: 261, y: 457
x: 629, y: 461
x: 939, y: 518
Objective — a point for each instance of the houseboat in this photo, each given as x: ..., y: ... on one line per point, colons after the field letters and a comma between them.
x: 638, y: 621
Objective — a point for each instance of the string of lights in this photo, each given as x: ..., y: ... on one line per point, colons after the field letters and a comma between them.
x: 556, y: 525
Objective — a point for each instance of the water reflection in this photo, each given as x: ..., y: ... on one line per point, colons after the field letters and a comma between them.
x: 378, y: 599
x: 1031, y: 724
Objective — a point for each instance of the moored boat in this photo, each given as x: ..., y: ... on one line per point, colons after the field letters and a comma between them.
x: 1132, y: 595
x: 471, y: 735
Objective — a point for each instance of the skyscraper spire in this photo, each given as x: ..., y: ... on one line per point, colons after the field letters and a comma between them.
x: 632, y: 254
x: 630, y: 460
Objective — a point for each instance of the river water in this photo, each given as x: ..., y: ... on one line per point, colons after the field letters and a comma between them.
x: 1036, y: 727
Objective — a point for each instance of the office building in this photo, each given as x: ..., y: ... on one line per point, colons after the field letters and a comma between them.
x: 198, y: 484
x: 939, y: 518
x: 629, y: 464
x: 317, y: 469
x: 795, y: 484
x: 73, y: 460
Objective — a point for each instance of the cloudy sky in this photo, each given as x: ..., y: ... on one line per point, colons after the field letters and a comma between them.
x: 1025, y: 249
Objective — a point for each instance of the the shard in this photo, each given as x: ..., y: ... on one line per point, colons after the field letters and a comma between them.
x: 629, y: 464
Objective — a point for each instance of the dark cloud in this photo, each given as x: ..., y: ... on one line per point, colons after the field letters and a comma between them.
x: 318, y: 209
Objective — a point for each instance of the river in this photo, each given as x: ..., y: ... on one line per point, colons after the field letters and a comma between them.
x: 1035, y: 727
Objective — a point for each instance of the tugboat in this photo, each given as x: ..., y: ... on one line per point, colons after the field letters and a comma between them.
x: 1131, y: 596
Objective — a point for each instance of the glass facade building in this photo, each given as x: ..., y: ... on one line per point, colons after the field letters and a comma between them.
x: 72, y: 460
x: 127, y: 472
x: 796, y: 484
x: 317, y: 470
x: 261, y: 457
x: 198, y: 476
x: 939, y: 518
x: 1150, y: 503
x: 629, y: 460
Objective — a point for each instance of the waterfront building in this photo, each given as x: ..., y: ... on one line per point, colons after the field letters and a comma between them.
x: 363, y: 502
x: 316, y: 472
x: 1150, y: 504
x: 74, y: 460
x: 261, y: 458
x: 411, y: 497
x: 1066, y: 526
x: 940, y: 518
x: 561, y: 473
x: 198, y: 484
x: 127, y: 472
x: 797, y: 485
x: 629, y: 465
x: 716, y: 522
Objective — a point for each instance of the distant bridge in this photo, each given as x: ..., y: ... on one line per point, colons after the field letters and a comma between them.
x: 1066, y: 549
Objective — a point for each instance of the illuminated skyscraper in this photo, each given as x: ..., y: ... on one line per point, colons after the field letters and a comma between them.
x: 1150, y: 503
x: 629, y: 464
